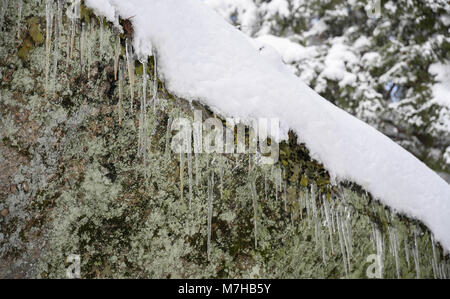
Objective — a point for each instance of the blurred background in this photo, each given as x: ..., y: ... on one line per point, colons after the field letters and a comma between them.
x: 385, y: 62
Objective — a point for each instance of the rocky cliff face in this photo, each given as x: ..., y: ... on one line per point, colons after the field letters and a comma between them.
x: 87, y: 170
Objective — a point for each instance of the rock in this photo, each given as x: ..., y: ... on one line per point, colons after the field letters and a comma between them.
x: 25, y: 187
x: 137, y: 224
x: 4, y: 212
x: 13, y: 189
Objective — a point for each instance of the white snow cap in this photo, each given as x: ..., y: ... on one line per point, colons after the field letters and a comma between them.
x: 202, y: 57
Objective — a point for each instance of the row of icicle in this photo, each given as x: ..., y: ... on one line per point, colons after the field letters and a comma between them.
x: 54, y: 28
x: 330, y: 219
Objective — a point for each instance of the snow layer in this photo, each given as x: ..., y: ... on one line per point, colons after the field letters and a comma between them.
x: 441, y: 94
x: 290, y: 52
x: 104, y: 8
x: 202, y: 57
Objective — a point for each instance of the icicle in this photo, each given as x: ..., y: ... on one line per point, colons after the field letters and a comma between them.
x: 48, y: 36
x: 19, y: 17
x: 198, y: 175
x: 255, y: 211
x: 324, y: 259
x: 407, y: 252
x: 121, y: 78
x: 332, y: 216
x: 314, y: 215
x: 88, y: 49
x: 373, y: 236
x: 221, y: 162
x: 3, y: 12
x: 76, y: 15
x: 443, y: 271
x: 68, y: 48
x: 435, y: 261
x: 56, y: 46
x: 341, y: 243
x: 380, y: 252
x: 285, y: 196
x: 265, y: 187
x: 59, y: 22
x: 348, y: 234
x: 143, y: 116
x: 394, y: 249
x: 416, y: 254
x: 181, y: 176
x: 328, y: 222
x: 278, y: 181
x: 276, y: 191
x: 153, y: 132
x: 61, y: 4
x: 144, y: 121
x: 130, y: 63
x: 168, y: 136
x: 83, y: 41
x: 343, y: 229
x: 210, y: 209
x: 189, y: 156
x: 308, y: 210
x: 155, y: 81
x: 100, y: 20
x: 300, y: 205
x: 116, y: 55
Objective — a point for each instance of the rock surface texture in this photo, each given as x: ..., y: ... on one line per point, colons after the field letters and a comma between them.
x: 86, y: 169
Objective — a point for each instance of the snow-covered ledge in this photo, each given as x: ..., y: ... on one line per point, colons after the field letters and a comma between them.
x: 201, y: 57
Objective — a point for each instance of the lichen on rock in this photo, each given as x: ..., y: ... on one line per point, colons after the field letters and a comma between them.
x: 90, y: 193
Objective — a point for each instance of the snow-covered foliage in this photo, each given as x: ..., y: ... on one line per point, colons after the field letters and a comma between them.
x: 201, y: 57
x: 380, y: 70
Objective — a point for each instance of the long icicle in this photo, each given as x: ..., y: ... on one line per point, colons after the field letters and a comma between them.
x: 19, y: 17
x: 89, y: 52
x: 48, y: 37
x: 416, y: 253
x: 100, y: 21
x: 145, y: 119
x: 75, y: 17
x: 394, y: 247
x: 121, y: 78
x: 435, y: 260
x: 189, y: 157
x: 3, y: 13
x: 130, y: 64
x: 168, y: 136
x: 155, y: 80
x: 83, y: 46
x: 210, y: 212
x: 116, y: 55
x: 181, y: 176
x: 380, y: 252
x: 255, y: 211
x: 341, y: 241
x: 407, y: 252
x: 56, y: 46
x: 328, y: 220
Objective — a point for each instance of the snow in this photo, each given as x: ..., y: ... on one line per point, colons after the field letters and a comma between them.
x: 441, y: 90
x: 246, y: 9
x: 290, y: 52
x: 336, y: 62
x: 441, y: 95
x: 202, y: 57
x: 104, y: 8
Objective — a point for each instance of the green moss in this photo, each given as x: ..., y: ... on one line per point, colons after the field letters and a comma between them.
x: 36, y: 34
x: 32, y: 38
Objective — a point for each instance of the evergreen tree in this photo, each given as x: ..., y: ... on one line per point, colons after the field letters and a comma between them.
x: 389, y: 71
